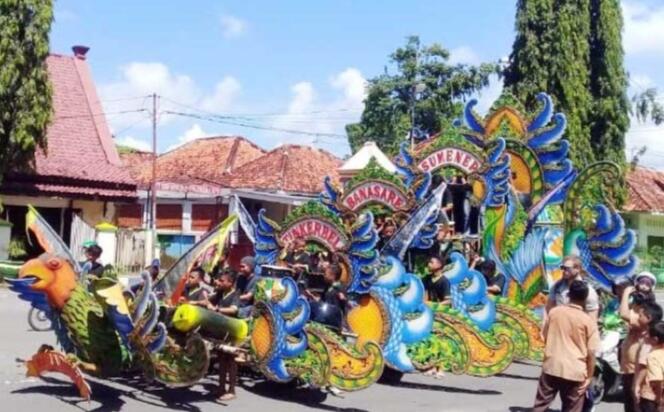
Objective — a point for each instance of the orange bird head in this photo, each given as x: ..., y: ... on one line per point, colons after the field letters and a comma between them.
x: 52, y: 275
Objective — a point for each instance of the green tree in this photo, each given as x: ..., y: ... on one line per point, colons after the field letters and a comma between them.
x: 552, y: 53
x: 422, y: 71
x: 25, y: 91
x: 609, y: 117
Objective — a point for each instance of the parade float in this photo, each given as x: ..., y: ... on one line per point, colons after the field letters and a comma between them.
x: 536, y: 208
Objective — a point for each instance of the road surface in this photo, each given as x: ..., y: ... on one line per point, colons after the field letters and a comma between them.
x: 512, y: 391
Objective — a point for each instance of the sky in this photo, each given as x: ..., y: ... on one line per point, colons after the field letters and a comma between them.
x: 295, y: 71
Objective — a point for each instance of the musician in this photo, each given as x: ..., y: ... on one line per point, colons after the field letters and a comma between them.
x: 246, y: 285
x: 333, y: 293
x: 298, y: 258
x: 225, y: 300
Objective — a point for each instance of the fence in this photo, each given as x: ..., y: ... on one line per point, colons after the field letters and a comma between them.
x: 81, y: 232
x: 130, y: 251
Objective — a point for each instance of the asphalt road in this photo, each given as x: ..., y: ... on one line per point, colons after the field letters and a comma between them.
x: 511, y: 391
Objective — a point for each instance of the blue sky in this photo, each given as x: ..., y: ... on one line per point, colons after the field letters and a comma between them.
x: 296, y: 65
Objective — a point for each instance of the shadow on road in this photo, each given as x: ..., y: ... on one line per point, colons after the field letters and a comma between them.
x: 513, y: 376
x: 312, y: 398
x: 109, y: 397
x: 442, y: 388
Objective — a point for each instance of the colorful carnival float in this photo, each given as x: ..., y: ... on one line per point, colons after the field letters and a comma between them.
x: 535, y: 208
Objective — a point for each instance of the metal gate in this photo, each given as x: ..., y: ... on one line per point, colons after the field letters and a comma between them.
x: 81, y: 232
x: 130, y: 251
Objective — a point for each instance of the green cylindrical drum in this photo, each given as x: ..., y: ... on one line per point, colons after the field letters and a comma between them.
x: 212, y: 324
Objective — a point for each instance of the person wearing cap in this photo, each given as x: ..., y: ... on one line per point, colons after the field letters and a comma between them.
x: 246, y: 285
x: 559, y: 293
x: 92, y: 254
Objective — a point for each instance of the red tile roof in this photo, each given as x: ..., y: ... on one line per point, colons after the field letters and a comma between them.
x: 288, y: 168
x: 202, y: 165
x: 80, y: 153
x: 646, y: 190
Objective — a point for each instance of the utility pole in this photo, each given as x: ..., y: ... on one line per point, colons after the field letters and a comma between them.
x: 153, y: 183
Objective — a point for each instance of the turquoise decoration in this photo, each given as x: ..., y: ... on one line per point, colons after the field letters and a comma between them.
x: 411, y: 321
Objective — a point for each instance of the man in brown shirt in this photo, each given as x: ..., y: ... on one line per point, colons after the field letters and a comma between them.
x: 571, y: 338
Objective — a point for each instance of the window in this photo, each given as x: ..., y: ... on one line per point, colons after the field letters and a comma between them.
x: 169, y: 217
x: 205, y: 217
x: 130, y: 216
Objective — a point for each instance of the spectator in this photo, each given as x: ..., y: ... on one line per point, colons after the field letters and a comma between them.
x: 436, y: 284
x: 638, y: 317
x: 571, y: 339
x: 640, y: 389
x: 558, y: 295
x: 654, y: 381
x: 495, y: 281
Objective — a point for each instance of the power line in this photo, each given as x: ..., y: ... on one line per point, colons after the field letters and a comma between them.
x: 254, y: 126
x: 99, y: 114
x: 124, y: 99
x: 252, y: 115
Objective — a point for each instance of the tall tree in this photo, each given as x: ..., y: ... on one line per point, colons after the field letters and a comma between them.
x: 609, y: 117
x: 424, y: 79
x: 25, y: 91
x: 552, y: 53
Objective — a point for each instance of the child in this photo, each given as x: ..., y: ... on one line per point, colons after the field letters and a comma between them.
x: 651, y: 390
x: 638, y: 318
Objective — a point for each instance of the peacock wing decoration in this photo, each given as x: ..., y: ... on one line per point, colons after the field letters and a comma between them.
x: 286, y: 345
x: 362, y: 253
x: 469, y: 292
x: 267, y: 244
x: 278, y: 328
x: 393, y: 314
x: 605, y: 247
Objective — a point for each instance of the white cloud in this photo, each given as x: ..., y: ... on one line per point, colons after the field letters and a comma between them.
x: 303, y: 98
x: 177, y: 92
x: 464, y: 55
x: 650, y: 136
x: 307, y: 111
x: 489, y: 94
x: 232, y: 26
x: 225, y: 94
x: 353, y: 85
x: 135, y: 143
x: 641, y: 82
x: 644, y: 27
x: 191, y: 134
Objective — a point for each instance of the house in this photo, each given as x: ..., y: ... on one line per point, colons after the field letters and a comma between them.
x: 79, y: 179
x: 195, y: 184
x: 286, y: 176
x: 192, y: 196
x: 644, y: 210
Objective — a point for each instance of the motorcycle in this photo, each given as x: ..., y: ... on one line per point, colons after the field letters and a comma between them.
x: 38, y: 320
x: 607, y: 380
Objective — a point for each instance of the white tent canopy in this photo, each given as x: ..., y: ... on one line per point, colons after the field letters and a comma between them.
x: 363, y: 156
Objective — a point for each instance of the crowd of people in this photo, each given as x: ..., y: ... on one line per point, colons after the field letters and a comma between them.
x: 572, y: 338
